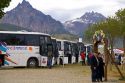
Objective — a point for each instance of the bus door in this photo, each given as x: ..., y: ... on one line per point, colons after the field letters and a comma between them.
x: 76, y: 51
x: 43, y: 52
x: 67, y: 51
x: 55, y: 51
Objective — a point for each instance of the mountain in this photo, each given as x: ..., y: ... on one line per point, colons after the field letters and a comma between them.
x: 79, y: 25
x: 24, y: 15
x: 9, y: 27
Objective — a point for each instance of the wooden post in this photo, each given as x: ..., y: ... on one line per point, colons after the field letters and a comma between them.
x: 116, y: 65
x: 124, y: 44
x: 106, y: 60
x: 107, y: 54
x: 96, y: 47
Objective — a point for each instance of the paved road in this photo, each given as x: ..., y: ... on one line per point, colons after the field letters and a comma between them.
x: 68, y: 74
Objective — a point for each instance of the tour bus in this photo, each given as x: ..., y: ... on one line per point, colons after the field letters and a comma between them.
x: 29, y: 49
x: 55, y: 50
x: 64, y: 47
x: 69, y: 51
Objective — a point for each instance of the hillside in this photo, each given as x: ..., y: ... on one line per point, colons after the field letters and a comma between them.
x: 24, y: 15
x: 10, y: 27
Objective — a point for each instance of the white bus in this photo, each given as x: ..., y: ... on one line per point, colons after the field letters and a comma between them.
x: 64, y: 47
x: 29, y: 49
x: 69, y: 51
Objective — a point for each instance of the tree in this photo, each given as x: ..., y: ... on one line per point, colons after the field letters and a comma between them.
x: 3, y: 4
x: 113, y: 27
x: 110, y: 27
x: 121, y: 17
x: 89, y: 32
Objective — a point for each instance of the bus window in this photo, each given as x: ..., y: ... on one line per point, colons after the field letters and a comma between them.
x: 42, y: 40
x: 12, y: 39
x: 67, y: 46
x: 49, y: 47
x: 48, y: 40
x: 32, y: 40
x: 54, y: 44
x: 75, y: 49
x: 20, y: 39
x: 59, y: 45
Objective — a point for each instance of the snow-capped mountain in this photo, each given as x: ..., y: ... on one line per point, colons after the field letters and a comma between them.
x: 79, y: 25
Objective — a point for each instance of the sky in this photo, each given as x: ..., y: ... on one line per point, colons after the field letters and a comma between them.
x: 64, y: 10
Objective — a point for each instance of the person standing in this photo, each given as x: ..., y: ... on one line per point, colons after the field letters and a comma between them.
x: 0, y: 62
x: 50, y: 56
x: 123, y: 62
x: 83, y: 57
x: 119, y: 59
x: 49, y: 61
x: 100, y: 68
x: 94, y: 64
x: 89, y: 58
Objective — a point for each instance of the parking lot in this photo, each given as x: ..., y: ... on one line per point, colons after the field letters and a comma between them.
x: 58, y: 74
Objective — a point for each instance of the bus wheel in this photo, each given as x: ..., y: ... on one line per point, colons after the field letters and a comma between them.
x: 32, y: 63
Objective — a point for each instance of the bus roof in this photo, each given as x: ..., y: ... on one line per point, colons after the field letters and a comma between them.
x: 53, y: 38
x: 88, y: 44
x: 22, y: 32
x: 66, y: 40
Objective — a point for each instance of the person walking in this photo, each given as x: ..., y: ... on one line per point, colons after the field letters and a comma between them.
x: 94, y: 64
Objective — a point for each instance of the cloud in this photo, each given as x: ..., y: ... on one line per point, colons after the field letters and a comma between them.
x: 65, y: 14
x: 69, y: 14
x: 64, y: 10
x: 121, y: 1
x: 93, y: 8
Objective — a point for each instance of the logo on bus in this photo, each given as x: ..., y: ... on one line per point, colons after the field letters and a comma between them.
x: 30, y: 49
x: 43, y: 60
x: 17, y: 48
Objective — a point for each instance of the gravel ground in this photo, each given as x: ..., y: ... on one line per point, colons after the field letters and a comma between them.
x: 59, y: 74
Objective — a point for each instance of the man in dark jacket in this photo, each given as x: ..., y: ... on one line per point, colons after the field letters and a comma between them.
x: 94, y: 65
x: 100, y: 68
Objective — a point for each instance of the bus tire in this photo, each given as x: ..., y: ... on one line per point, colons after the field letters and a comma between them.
x: 32, y: 63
